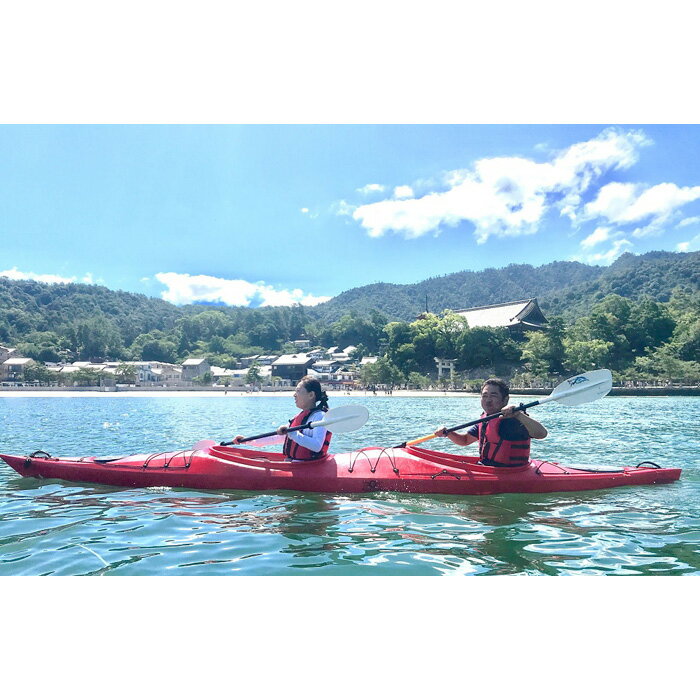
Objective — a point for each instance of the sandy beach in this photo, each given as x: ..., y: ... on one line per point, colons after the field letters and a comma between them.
x: 222, y: 393
x: 216, y: 393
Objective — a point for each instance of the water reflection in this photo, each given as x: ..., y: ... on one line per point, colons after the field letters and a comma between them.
x: 57, y: 528
x: 167, y: 532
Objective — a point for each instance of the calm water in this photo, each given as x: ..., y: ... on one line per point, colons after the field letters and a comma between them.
x: 53, y: 527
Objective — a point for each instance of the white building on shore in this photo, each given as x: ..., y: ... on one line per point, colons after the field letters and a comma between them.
x: 12, y: 369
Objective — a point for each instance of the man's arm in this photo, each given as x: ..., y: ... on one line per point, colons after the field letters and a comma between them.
x: 535, y: 430
x: 462, y: 439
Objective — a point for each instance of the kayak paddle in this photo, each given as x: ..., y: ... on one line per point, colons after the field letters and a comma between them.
x: 344, y: 419
x: 582, y: 388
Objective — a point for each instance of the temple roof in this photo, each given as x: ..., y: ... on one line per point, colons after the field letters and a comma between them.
x: 524, y: 314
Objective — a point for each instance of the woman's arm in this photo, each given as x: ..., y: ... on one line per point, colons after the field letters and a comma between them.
x: 261, y: 442
x: 311, y: 438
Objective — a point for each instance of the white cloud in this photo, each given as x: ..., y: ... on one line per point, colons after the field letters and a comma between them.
x: 689, y: 246
x: 661, y: 201
x: 183, y: 288
x: 600, y: 235
x: 309, y: 213
x: 689, y: 221
x: 616, y: 250
x: 343, y: 208
x: 506, y: 196
x: 654, y: 228
x: 370, y: 189
x: 403, y: 192
x: 612, y: 200
x: 629, y: 203
x: 15, y: 274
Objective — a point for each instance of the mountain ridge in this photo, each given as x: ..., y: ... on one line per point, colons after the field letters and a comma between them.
x: 562, y: 287
x: 566, y: 288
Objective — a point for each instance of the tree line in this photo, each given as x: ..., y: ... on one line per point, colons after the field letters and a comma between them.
x: 565, y: 288
x: 643, y: 340
x: 639, y: 316
x: 646, y: 340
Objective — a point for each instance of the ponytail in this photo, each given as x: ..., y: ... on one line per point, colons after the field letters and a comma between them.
x: 323, y: 401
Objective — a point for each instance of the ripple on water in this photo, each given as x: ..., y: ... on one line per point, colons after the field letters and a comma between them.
x: 56, y: 528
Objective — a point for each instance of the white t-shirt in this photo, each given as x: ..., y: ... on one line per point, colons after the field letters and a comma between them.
x: 311, y: 438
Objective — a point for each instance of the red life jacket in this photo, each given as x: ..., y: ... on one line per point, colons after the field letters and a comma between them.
x: 294, y: 450
x: 494, y: 451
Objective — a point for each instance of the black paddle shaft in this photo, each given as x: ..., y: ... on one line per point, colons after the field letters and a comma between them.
x: 485, y: 419
x: 262, y: 435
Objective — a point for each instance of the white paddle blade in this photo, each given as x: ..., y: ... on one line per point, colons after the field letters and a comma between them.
x: 583, y: 388
x: 344, y: 419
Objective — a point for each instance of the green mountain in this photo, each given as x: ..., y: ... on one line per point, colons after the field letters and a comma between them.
x: 654, y: 274
x: 27, y: 307
x: 566, y: 288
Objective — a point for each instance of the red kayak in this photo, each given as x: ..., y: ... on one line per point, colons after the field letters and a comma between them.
x: 407, y: 470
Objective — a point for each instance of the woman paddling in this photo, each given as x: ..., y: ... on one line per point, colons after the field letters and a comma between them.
x: 504, y: 441
x: 307, y: 444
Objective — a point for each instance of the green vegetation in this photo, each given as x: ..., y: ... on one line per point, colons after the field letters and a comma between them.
x: 640, y: 317
x: 253, y: 375
x: 644, y: 340
x: 568, y: 289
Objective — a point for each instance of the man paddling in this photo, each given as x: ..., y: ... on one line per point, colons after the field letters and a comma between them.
x: 504, y: 441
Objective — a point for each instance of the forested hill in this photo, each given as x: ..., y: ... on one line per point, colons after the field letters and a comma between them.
x: 566, y: 288
x: 460, y: 290
x: 654, y: 275
x: 27, y: 306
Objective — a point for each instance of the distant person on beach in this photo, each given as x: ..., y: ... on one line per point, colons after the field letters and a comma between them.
x: 307, y: 444
x: 504, y: 441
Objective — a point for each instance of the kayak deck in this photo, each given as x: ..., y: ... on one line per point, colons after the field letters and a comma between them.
x: 407, y: 470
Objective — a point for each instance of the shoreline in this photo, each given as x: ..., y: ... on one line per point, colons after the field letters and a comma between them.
x: 136, y: 392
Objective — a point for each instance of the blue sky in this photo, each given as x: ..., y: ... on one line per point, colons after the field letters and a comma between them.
x: 268, y: 214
